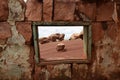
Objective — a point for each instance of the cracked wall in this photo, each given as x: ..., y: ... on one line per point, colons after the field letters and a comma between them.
x: 16, y: 45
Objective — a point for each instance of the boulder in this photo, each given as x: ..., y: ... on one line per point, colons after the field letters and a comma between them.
x: 60, y: 47
x: 44, y: 40
x: 76, y: 36
x: 56, y: 37
x: 53, y: 37
x: 81, y: 35
x: 61, y: 37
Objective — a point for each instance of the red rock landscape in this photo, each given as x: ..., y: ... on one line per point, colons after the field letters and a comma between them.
x: 73, y: 50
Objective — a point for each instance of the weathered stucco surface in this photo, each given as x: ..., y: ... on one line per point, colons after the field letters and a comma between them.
x: 16, y: 45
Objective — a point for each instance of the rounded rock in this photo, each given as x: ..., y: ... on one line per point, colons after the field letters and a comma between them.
x: 60, y: 47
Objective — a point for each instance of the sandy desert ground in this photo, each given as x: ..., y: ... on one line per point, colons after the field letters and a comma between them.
x: 74, y: 50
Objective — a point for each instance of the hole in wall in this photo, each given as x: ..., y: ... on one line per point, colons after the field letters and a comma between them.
x: 50, y: 36
x: 55, y: 43
x: 25, y: 1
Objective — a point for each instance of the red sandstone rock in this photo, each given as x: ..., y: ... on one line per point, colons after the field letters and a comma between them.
x: 33, y: 10
x: 4, y: 10
x: 105, y: 11
x: 56, y: 37
x: 88, y: 9
x: 66, y: 0
x: 43, y: 40
x: 60, y: 47
x: 118, y: 11
x: 64, y: 11
x: 75, y: 36
x: 24, y: 28
x: 113, y: 30
x: 3, y: 41
x: 5, y: 31
x: 47, y: 10
x: 22, y: 2
x: 117, y: 1
x: 97, y: 32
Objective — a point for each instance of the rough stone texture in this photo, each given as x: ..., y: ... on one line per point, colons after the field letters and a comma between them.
x: 3, y: 10
x: 47, y: 10
x: 14, y: 61
x: 16, y: 10
x: 14, y: 58
x: 113, y: 30
x: 25, y: 29
x: 108, y: 59
x: 53, y: 72
x: 17, y: 58
x: 33, y: 10
x: 67, y: 0
x: 107, y: 62
x: 118, y: 11
x: 16, y: 37
x: 64, y: 11
x: 3, y: 41
x: 38, y: 75
x: 117, y: 1
x: 104, y: 11
x: 31, y: 61
x: 79, y: 72
x: 97, y: 27
x: 5, y: 31
x: 85, y: 11
x: 59, y: 72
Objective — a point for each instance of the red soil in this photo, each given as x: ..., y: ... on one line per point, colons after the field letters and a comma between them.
x: 74, y: 50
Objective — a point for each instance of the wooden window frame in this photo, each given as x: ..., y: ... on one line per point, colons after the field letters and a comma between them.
x: 87, y: 41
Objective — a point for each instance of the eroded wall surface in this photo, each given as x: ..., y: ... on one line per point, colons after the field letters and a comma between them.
x: 16, y: 45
